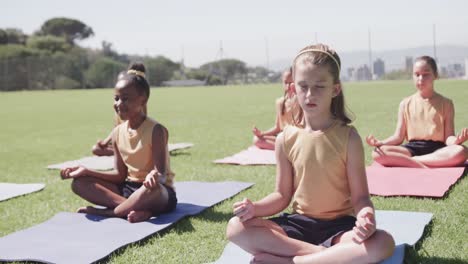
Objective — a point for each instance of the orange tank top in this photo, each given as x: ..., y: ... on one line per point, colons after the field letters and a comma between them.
x: 425, y: 118
x: 321, y: 188
x: 136, y: 151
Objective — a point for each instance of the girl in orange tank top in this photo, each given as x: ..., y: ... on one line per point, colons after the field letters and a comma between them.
x: 426, y: 121
x: 287, y: 111
x: 104, y: 147
x: 320, y: 168
x: 141, y: 184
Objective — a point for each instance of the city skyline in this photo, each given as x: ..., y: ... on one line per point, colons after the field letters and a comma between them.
x: 257, y: 32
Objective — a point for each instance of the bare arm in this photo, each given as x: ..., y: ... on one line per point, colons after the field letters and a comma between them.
x: 449, y: 126
x: 274, y: 130
x: 120, y: 171
x: 117, y: 175
x: 160, y: 138
x: 360, y: 199
x: 398, y: 136
x: 277, y: 200
x: 356, y: 172
x: 281, y: 197
x: 107, y: 140
x: 159, y: 141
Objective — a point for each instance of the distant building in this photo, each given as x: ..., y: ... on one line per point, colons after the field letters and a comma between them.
x: 409, y: 64
x: 350, y: 74
x: 363, y: 73
x: 443, y: 72
x: 455, y: 70
x: 466, y: 68
x: 379, y: 68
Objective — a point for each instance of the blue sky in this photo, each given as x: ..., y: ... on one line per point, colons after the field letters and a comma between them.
x: 257, y: 32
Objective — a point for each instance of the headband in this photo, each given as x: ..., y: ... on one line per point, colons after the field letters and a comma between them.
x: 139, y: 73
x: 321, y: 51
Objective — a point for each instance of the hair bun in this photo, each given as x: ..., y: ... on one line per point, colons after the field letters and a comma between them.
x: 137, y: 66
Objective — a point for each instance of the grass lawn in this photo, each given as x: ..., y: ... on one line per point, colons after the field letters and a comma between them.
x: 39, y: 128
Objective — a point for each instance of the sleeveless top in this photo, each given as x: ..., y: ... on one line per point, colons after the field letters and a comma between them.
x: 321, y: 188
x: 425, y: 118
x: 136, y: 151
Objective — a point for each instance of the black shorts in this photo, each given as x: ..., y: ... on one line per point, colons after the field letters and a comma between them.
x: 129, y: 187
x: 423, y: 147
x: 314, y: 231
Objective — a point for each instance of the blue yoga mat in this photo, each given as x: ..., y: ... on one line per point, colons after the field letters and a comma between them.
x: 95, y: 237
x: 405, y: 227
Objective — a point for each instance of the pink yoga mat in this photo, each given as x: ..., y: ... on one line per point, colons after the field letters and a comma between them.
x: 393, y: 181
x: 250, y: 156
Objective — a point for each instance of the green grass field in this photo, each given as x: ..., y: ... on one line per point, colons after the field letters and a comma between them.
x: 39, y: 128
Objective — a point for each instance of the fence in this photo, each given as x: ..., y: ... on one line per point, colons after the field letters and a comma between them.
x: 53, y: 72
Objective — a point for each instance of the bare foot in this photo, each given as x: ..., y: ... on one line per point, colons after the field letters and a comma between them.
x: 138, y: 216
x: 95, y: 211
x: 84, y: 209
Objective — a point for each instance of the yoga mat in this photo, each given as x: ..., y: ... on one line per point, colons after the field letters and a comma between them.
x: 177, y: 146
x: 82, y: 238
x: 92, y: 162
x: 10, y: 190
x: 104, y: 163
x: 251, y: 156
x: 405, y: 227
x: 392, y: 181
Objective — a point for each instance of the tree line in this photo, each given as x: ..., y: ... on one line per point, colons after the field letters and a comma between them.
x: 51, y: 58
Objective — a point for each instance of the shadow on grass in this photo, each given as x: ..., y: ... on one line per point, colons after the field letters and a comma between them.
x: 175, y: 153
x: 214, y: 216
x: 450, y: 190
x: 412, y: 257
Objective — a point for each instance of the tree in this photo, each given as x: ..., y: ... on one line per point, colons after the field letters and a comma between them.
x: 197, y: 74
x: 103, y: 73
x: 159, y: 69
x: 12, y: 36
x: 108, y: 51
x: 3, y: 37
x: 15, y: 66
x: 226, y: 69
x: 70, y: 29
x: 50, y: 43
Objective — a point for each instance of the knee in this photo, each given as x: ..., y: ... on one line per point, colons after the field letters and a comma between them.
x: 382, y: 246
x: 255, y: 140
x: 79, y: 184
x: 375, y: 155
x: 380, y: 152
x: 460, y: 153
x: 95, y: 149
x: 380, y: 158
x: 234, y: 228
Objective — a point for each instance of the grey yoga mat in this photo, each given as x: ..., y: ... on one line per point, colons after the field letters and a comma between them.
x: 57, y: 239
x: 405, y: 227
x: 10, y: 190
